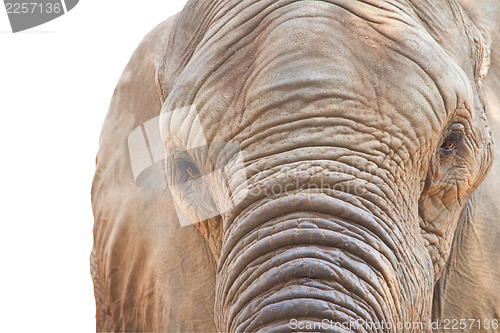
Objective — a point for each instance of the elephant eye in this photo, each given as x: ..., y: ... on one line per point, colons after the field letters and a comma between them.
x: 193, y: 171
x: 185, y: 170
x: 452, y: 142
x: 448, y: 145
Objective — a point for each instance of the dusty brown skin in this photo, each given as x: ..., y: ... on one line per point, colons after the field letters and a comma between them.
x: 377, y: 119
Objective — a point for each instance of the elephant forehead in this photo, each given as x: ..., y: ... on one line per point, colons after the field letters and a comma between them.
x: 346, y: 59
x: 340, y: 64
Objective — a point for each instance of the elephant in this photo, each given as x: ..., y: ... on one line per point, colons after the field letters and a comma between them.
x: 310, y: 166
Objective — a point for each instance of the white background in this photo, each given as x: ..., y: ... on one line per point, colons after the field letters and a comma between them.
x: 56, y: 82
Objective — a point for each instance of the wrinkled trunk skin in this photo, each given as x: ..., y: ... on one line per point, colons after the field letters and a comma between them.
x: 347, y: 108
x: 355, y: 113
x: 319, y: 256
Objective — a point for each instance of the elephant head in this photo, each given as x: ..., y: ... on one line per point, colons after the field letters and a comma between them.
x: 325, y: 150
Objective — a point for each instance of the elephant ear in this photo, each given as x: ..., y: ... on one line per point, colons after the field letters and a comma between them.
x: 189, y: 30
x: 485, y: 16
x: 469, y: 287
x: 149, y: 274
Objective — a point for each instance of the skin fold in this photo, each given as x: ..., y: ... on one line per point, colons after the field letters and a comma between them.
x: 469, y: 285
x: 339, y: 155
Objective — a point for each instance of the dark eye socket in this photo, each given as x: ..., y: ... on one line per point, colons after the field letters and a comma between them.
x: 186, y: 170
x: 451, y: 142
x: 193, y: 171
x: 448, y: 145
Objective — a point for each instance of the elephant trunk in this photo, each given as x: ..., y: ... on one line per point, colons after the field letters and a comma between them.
x: 309, y: 260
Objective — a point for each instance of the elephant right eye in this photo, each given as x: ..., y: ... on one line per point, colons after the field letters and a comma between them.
x: 185, y: 170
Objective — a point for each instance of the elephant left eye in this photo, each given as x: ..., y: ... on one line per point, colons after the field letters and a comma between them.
x: 448, y: 145
x: 451, y: 142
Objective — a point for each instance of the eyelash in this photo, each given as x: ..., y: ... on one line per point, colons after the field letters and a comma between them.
x: 185, y: 170
x: 452, y: 142
x: 448, y: 145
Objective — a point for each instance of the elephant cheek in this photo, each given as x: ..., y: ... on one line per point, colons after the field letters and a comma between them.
x: 321, y: 260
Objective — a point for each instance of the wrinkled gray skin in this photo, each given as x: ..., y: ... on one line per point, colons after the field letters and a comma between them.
x: 377, y: 119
